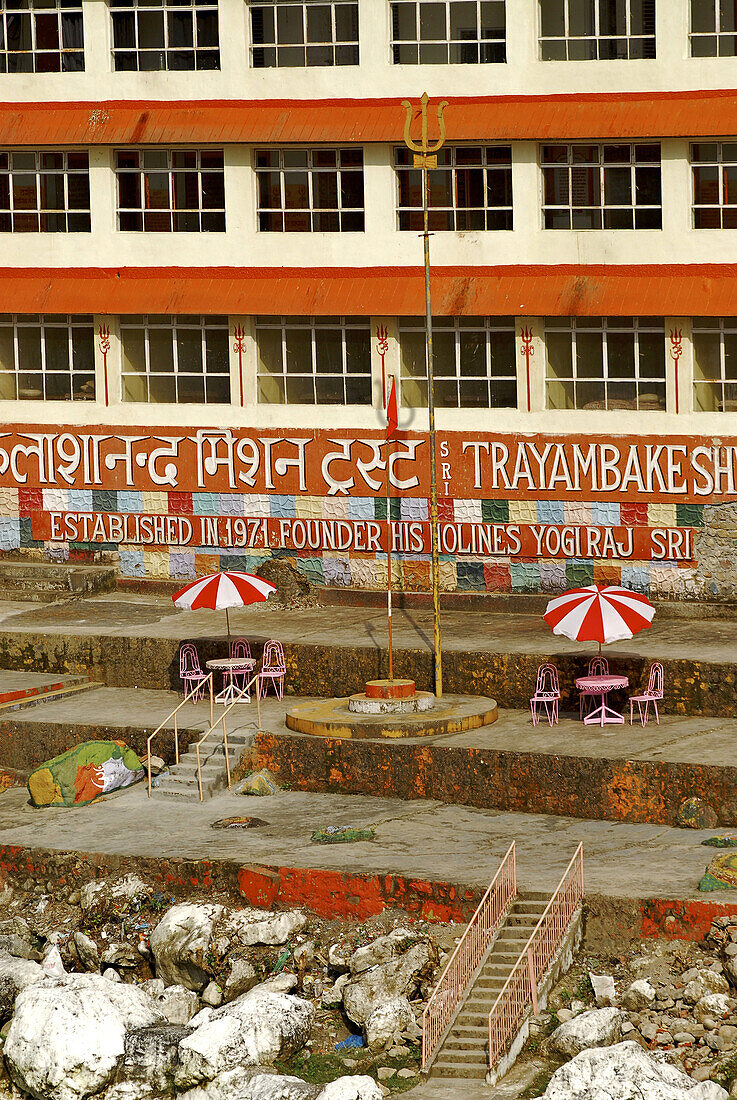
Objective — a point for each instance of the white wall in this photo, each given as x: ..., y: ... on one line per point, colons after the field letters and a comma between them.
x: 523, y: 74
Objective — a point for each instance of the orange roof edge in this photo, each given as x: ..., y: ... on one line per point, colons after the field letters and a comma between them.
x: 571, y: 290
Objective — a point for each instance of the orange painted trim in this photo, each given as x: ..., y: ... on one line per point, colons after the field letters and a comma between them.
x: 472, y: 118
x: 676, y: 919
x: 518, y: 291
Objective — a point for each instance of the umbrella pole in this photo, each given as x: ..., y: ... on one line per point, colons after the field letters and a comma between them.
x: 227, y: 620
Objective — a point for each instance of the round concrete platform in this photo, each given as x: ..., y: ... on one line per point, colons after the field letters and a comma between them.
x: 332, y: 718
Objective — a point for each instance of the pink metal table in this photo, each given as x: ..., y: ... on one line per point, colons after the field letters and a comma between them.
x: 600, y: 685
x: 229, y: 666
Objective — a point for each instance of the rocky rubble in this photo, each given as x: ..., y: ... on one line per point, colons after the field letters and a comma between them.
x: 119, y: 993
x: 675, y: 1002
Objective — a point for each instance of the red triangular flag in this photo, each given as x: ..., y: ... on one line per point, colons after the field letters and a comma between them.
x: 391, y: 410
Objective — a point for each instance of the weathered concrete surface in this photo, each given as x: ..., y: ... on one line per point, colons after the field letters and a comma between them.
x: 423, y: 840
x: 126, y: 640
x: 622, y: 773
x: 608, y: 789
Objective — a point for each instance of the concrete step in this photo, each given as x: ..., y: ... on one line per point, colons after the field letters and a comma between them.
x: 77, y: 687
x: 448, y: 1068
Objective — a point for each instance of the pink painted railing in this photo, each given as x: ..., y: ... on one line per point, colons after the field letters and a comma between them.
x: 454, y: 980
x: 520, y: 990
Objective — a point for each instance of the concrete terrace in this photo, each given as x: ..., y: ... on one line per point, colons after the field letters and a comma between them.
x: 130, y: 615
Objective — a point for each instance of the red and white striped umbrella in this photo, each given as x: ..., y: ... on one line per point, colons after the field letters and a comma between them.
x: 220, y: 591
x: 600, y: 613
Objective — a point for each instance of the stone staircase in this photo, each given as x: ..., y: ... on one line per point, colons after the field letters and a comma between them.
x: 464, y: 1051
x: 181, y: 779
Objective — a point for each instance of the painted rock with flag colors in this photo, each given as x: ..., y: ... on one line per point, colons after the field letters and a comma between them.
x: 83, y: 773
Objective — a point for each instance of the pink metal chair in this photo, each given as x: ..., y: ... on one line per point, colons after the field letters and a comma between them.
x: 547, y: 694
x: 653, y: 693
x: 598, y: 666
x: 240, y: 647
x: 273, y: 667
x: 191, y: 673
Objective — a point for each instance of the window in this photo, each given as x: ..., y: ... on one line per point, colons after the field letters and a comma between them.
x: 41, y: 36
x: 456, y: 32
x: 310, y: 190
x: 294, y: 33
x: 471, y: 189
x: 171, y: 34
x: 171, y: 190
x: 605, y: 363
x: 715, y: 364
x: 589, y: 30
x: 47, y: 358
x: 713, y: 28
x: 314, y: 360
x: 176, y: 360
x: 44, y: 192
x: 473, y: 362
x: 601, y: 186
x: 714, y: 169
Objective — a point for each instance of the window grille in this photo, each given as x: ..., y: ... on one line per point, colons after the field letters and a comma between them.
x: 297, y: 33
x: 314, y: 360
x: 173, y: 34
x: 715, y: 364
x: 714, y: 172
x: 171, y: 190
x: 47, y: 358
x: 443, y: 32
x: 473, y: 362
x: 41, y: 36
x: 601, y: 186
x: 603, y: 30
x: 176, y: 360
x: 605, y: 363
x: 310, y: 190
x: 713, y: 28
x: 44, y: 192
x: 471, y: 189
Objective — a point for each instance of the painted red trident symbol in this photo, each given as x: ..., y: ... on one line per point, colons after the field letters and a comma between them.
x: 239, y: 345
x: 104, y: 334
x: 676, y: 351
x: 527, y: 351
x: 382, y: 346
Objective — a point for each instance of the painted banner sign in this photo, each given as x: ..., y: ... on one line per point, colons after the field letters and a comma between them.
x: 325, y: 463
x: 309, y: 536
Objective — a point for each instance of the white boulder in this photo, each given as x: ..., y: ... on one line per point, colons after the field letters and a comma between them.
x: 639, y: 995
x: 352, y: 1088
x: 706, y: 982
x: 599, y: 1027
x: 22, y: 972
x: 237, y: 1084
x: 399, y: 977
x: 716, y: 1005
x: 242, y: 977
x: 259, y: 926
x: 177, y: 1004
x: 381, y: 950
x: 387, y: 1021
x: 253, y: 1030
x: 622, y: 1072
x: 180, y: 943
x: 333, y: 996
x: 114, y: 896
x: 67, y: 1035
x: 605, y: 993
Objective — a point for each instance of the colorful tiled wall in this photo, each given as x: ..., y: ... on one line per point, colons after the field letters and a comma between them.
x: 410, y: 572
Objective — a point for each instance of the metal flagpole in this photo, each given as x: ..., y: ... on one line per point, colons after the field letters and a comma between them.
x: 425, y: 157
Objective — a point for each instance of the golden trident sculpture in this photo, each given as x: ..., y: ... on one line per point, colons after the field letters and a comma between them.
x: 425, y: 155
x: 426, y: 158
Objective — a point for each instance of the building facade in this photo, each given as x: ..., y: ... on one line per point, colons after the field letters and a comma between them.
x: 211, y: 268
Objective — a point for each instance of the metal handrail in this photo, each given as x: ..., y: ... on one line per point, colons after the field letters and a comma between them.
x: 520, y: 988
x: 187, y: 697
x: 471, y: 948
x: 223, y: 716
